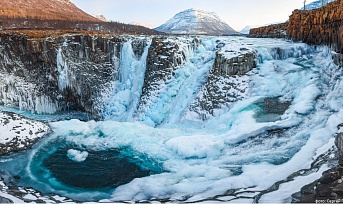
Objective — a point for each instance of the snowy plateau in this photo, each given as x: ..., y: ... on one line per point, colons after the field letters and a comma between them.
x: 198, y: 22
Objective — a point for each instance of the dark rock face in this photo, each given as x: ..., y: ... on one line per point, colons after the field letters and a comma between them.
x: 238, y: 65
x: 87, y: 66
x: 59, y: 73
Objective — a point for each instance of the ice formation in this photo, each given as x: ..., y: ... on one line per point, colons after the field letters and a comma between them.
x: 77, y: 155
x: 231, y: 150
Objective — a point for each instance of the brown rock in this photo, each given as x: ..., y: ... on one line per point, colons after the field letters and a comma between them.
x: 338, y: 189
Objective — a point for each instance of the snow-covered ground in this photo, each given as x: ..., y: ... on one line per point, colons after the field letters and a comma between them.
x: 19, y: 133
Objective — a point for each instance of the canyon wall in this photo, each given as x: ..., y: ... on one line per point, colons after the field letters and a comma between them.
x: 271, y: 31
x: 321, y: 26
x: 48, y: 75
x: 82, y: 72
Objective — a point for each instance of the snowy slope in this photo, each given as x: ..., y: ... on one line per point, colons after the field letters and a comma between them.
x: 316, y: 4
x: 195, y: 21
x: 101, y: 17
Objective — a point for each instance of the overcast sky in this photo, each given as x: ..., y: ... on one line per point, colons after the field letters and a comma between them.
x: 237, y: 13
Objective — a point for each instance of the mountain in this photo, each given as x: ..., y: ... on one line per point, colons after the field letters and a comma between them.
x: 195, y: 21
x: 44, y: 9
x: 245, y: 30
x: 142, y: 24
x: 316, y: 4
x: 100, y: 17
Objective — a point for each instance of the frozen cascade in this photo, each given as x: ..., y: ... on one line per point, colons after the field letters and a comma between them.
x: 195, y: 161
x: 62, y: 67
x: 169, y: 104
x: 126, y: 92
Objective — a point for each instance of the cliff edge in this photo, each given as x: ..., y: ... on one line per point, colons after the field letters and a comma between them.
x: 322, y: 26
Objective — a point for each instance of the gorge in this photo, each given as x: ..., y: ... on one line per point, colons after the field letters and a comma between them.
x: 100, y: 117
x: 200, y: 117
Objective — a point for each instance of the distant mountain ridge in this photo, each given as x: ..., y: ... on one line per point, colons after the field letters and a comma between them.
x: 44, y: 9
x: 196, y: 21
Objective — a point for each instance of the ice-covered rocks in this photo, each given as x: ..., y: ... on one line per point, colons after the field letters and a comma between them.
x: 19, y: 133
x: 227, y: 81
x: 48, y: 75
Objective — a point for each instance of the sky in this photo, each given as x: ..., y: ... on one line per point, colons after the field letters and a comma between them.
x: 237, y: 13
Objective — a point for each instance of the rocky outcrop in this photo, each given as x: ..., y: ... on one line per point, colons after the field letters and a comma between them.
x: 10, y: 192
x: 329, y: 188
x: 165, y: 55
x: 47, y: 75
x: 323, y: 26
x: 319, y: 26
x: 227, y: 82
x: 19, y: 133
x: 271, y: 31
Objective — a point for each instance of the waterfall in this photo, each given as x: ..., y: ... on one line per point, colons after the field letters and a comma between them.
x: 284, y: 123
x: 62, y: 68
x: 126, y: 91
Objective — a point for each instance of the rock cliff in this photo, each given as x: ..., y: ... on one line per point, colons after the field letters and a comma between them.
x: 227, y: 81
x: 323, y: 26
x: 271, y: 31
x: 47, y: 75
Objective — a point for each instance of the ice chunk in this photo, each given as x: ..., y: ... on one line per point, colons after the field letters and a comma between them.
x: 77, y: 155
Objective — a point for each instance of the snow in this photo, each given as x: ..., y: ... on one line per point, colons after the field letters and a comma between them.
x: 15, y: 127
x: 235, y: 49
x: 30, y: 197
x: 285, y: 191
x: 100, y: 17
x: 195, y: 21
x: 76, y: 155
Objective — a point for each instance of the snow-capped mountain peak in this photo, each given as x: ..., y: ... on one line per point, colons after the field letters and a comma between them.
x: 196, y: 21
x: 245, y: 30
